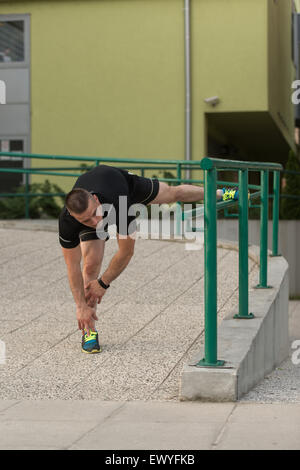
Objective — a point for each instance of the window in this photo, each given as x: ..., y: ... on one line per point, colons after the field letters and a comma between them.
x: 9, y: 182
x: 12, y: 41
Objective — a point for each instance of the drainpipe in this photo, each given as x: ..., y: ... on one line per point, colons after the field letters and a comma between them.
x: 187, y: 55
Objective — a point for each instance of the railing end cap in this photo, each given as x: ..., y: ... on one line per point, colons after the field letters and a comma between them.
x: 206, y: 163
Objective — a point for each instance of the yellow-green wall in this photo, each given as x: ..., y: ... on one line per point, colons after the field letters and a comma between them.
x: 231, y: 54
x: 297, y: 5
x: 229, y: 60
x: 107, y: 76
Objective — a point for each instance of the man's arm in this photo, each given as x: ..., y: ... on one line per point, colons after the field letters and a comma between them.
x: 86, y: 316
x: 72, y: 258
x: 120, y: 260
x: 117, y: 264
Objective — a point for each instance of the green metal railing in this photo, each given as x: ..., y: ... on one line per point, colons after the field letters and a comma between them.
x: 143, y: 165
x: 211, y: 207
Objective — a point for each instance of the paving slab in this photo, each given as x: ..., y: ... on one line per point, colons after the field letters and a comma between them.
x: 139, y: 425
x: 260, y: 426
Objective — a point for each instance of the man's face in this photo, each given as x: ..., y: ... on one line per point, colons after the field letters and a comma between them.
x: 92, y: 215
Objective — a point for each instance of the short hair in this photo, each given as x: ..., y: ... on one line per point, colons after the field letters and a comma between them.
x: 77, y: 200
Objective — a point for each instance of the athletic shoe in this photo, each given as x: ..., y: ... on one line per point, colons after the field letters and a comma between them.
x: 90, y: 343
x: 229, y: 194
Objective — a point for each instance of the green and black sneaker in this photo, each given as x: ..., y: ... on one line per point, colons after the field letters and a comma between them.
x: 232, y: 194
x: 90, y: 343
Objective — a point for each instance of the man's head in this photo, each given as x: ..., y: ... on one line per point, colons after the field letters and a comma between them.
x: 84, y: 207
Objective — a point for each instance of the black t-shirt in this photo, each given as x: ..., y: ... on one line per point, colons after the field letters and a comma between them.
x: 108, y: 183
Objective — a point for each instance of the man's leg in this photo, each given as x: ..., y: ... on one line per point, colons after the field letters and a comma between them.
x: 183, y: 193
x: 92, y: 254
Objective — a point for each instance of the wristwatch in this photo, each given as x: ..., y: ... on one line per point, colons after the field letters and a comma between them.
x: 102, y: 284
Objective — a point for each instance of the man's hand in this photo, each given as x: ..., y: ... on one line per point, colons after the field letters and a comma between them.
x: 94, y: 292
x: 86, y: 317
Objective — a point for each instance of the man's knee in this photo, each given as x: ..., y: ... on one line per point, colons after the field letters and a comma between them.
x: 171, y: 194
x: 175, y: 193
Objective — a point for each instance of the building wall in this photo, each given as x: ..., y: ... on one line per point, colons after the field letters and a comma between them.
x: 229, y: 60
x: 230, y: 53
x: 107, y: 77
x: 281, y: 70
x: 297, y: 5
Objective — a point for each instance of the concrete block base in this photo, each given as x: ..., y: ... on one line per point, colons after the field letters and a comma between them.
x: 250, y: 348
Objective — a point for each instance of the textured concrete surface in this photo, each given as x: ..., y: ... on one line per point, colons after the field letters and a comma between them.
x: 150, y: 320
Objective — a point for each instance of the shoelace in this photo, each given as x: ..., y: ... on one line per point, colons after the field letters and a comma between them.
x: 229, y: 194
x: 92, y: 336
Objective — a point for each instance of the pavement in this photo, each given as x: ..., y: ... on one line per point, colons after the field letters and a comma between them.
x: 151, y: 321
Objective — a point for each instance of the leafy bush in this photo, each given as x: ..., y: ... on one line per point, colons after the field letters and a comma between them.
x: 290, y: 207
x: 39, y: 206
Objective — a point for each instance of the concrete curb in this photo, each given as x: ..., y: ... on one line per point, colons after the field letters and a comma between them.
x: 251, y: 348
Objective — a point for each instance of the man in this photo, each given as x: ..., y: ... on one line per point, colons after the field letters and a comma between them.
x: 101, y: 197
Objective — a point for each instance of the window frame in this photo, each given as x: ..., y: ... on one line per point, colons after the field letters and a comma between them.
x: 24, y: 63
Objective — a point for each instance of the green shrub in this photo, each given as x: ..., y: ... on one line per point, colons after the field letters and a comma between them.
x: 39, y: 206
x: 290, y: 207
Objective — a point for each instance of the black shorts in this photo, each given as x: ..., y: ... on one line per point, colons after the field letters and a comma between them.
x: 143, y: 190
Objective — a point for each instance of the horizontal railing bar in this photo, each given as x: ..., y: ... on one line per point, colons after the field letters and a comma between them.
x: 53, y: 171
x: 226, y: 204
x: 208, y: 163
x: 205, y: 163
x: 92, y: 167
x: 220, y: 206
x: 28, y: 171
x: 31, y: 194
x: 58, y: 168
x: 227, y: 183
x: 101, y: 159
x: 63, y: 194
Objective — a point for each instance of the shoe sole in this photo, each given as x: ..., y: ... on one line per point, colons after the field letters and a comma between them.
x: 94, y: 351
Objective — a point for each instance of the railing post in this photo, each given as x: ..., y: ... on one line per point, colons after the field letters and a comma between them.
x: 178, y: 204
x: 243, y: 247
x: 26, y: 196
x: 276, y: 189
x: 210, y: 267
x: 263, y: 269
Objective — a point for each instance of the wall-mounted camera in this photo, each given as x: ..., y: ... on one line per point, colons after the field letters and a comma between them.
x: 213, y: 100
